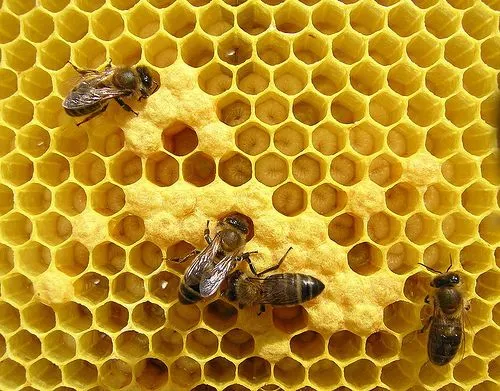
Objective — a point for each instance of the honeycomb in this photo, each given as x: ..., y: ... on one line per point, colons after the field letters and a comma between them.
x: 362, y: 133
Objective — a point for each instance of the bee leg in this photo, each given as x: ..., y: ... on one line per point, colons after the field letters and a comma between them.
x: 262, y: 309
x: 108, y: 65
x: 206, y: 233
x: 426, y: 325
x: 270, y: 269
x: 185, y: 257
x: 426, y: 300
x: 82, y: 71
x: 93, y: 115
x: 246, y: 257
x: 125, y: 106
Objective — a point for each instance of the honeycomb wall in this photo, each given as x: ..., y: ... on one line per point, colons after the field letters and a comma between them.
x: 362, y: 133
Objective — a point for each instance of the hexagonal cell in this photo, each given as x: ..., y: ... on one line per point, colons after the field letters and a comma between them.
x: 328, y: 18
x: 382, y: 345
x: 459, y: 170
x: 478, y: 22
x: 401, y: 316
x: 423, y: 49
x: 32, y: 198
x: 366, y: 18
x: 128, y: 288
x: 405, y: 139
x: 32, y: 139
x: 145, y: 258
x: 199, y: 169
x: 51, y: 113
x: 460, y: 50
x: 162, y: 169
x: 344, y: 345
x: 54, y: 53
x: 112, y: 316
x: 125, y: 51
x: 458, y: 228
x: 271, y: 108
x: 179, y: 250
x: 479, y: 80
x: 92, y: 287
x: 235, y: 169
x: 385, y: 48
x: 126, y: 168
x: 489, y: 168
x: 487, y: 285
x: 442, y: 140
x: 328, y: 139
x: 310, y: 48
x: 290, y: 18
x: 254, y: 19
x: 398, y: 374
x: 437, y: 256
x: 290, y: 78
x: 108, y: 258
x: 479, y: 139
x: 44, y: 373
x: 327, y: 199
x: 216, y: 20
x: 71, y: 24
x: 424, y: 109
x: 202, y: 343
x: 307, y: 345
x: 71, y: 199
x: 6, y: 259
x: 7, y: 140
x: 254, y: 370
x: 383, y: 228
x: 488, y: 228
x: 164, y: 286
x: 469, y: 370
x: 220, y: 315
x: 401, y: 258
x: 16, y: 169
x: 234, y: 49
x: 143, y: 21
x: 70, y: 140
x: 80, y: 373
x: 16, y: 228
x: 89, y: 169
x: 416, y: 287
x: 35, y: 83
x: 166, y: 342
x: 272, y: 48
x: 59, y: 346
x: 233, y: 109
x: 290, y: 319
x: 53, y: 169
x: 148, y: 316
x: 289, y: 372
x: 126, y: 229
x: 161, y: 50
x: 53, y: 228
x: 386, y: 109
x: 10, y: 318
x: 220, y: 369
x: 348, y: 47
x: 366, y: 138
x: 25, y: 346
x: 348, y: 107
x: 366, y: 77
x: 322, y: 78
x: 404, y: 78
x: 421, y: 228
x: 215, y: 79
x: 402, y: 198
x: 290, y: 139
x: 72, y: 258
x: 489, y: 53
x: 115, y: 374
x: 38, y: 317
x: 185, y: 372
x: 478, y: 198
x: 345, y: 229
x: 289, y: 199
x: 237, y: 343
x: 440, y: 199
x: 367, y: 368
x: 107, y: 24
x: 197, y: 50
x: 74, y: 317
x: 486, y: 341
x: 14, y: 60
x: 107, y: 199
x: 476, y: 258
x: 132, y: 344
x: 442, y: 22
x: 384, y: 170
x: 11, y: 30
x: 151, y: 374
x: 364, y: 259
x: 308, y: 169
x: 309, y: 108
x: 493, y: 368
x: 12, y: 374
x: 347, y: 169
x: 252, y: 139
x: 252, y: 78
x: 179, y: 20
x: 96, y: 344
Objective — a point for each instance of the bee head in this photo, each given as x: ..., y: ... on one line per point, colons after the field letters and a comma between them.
x: 149, y: 85
x: 445, y: 279
x: 239, y: 222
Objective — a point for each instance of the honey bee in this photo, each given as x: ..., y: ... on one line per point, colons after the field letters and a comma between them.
x: 278, y: 290
x: 211, y: 266
x: 95, y: 89
x: 446, y: 323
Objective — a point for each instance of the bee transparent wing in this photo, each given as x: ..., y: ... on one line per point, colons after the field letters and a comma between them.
x: 86, y: 95
x: 212, y: 279
x: 202, y: 262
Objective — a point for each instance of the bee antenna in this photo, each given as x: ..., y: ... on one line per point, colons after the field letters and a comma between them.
x: 430, y: 268
x: 451, y: 263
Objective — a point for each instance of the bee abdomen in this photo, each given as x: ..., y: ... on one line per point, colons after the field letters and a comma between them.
x: 310, y: 286
x: 188, y: 294
x: 444, y: 342
x: 82, y: 110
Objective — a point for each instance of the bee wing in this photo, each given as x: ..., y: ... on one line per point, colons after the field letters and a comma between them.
x: 202, y: 262
x: 211, y: 279
x: 86, y: 95
x: 278, y: 289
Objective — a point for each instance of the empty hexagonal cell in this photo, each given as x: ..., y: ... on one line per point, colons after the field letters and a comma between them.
x: 220, y: 369
x: 310, y: 48
x: 271, y: 109
x: 16, y: 169
x: 132, y: 344
x: 125, y: 50
x: 32, y: 198
x: 421, y: 228
x: 327, y: 199
x: 96, y: 344
x: 440, y: 199
x: 308, y: 344
x: 486, y: 341
x: 164, y: 286
x: 39, y: 317
x: 423, y: 49
x: 493, y: 368
x: 92, y: 287
x: 442, y: 22
x: 126, y: 168
x: 59, y: 346
x: 309, y: 108
x: 151, y: 373
x: 346, y: 169
x: 128, y: 288
x: 442, y: 80
x: 25, y: 346
x: 70, y: 140
x: 16, y: 228
x: 7, y: 139
x: 220, y: 315
x: 89, y: 169
x: 185, y: 372
x: 459, y: 170
x: 106, y: 23
x: 50, y: 112
x: 290, y: 319
x: 329, y: 18
x: 15, y: 60
x: 143, y: 21
x: 289, y: 199
x: 348, y: 107
x: 385, y: 48
x: 383, y: 228
x: 71, y: 199
x: 6, y: 259
x: 328, y: 139
x: 252, y: 139
x: 290, y: 18
x: 35, y: 83
x: 166, y: 342
x: 489, y: 53
x: 252, y: 78
x: 202, y: 343
x: 254, y: 19
x: 233, y: 109
x: 54, y: 54
x: 478, y: 139
x: 53, y: 228
x: 402, y: 198
x: 148, y: 316
x: 366, y: 77
x: 71, y: 25
x: 402, y: 257
x: 234, y: 49
x: 461, y: 109
x: 437, y: 256
x: 237, y: 343
x: 199, y: 169
x: 479, y: 80
x: 404, y: 78
x: 74, y: 317
x: 80, y: 373
x: 126, y: 229
x: 345, y: 229
x: 108, y: 258
x: 476, y: 257
x: 272, y: 48
x: 235, y: 169
x: 489, y: 228
x: 44, y: 373
x: 323, y: 80
x: 216, y: 20
x: 460, y: 50
x: 145, y: 258
x: 367, y: 18
x: 386, y: 108
x: 107, y: 140
x: 290, y: 78
x: 17, y: 289
x: 215, y: 78
x: 368, y: 369
x: 197, y: 50
x: 289, y: 372
x: 479, y: 313
x: 404, y: 139
x: 115, y: 374
x: 458, y: 228
x: 348, y: 47
x: 442, y: 140
x: 179, y: 250
x: 366, y: 138
x: 162, y: 169
x: 308, y: 169
x: 107, y: 199
x: 398, y: 374
x: 401, y: 316
x: 469, y: 370
x: 254, y: 370
x: 478, y: 198
x: 344, y: 345
x: 112, y: 316
x: 424, y: 109
x: 489, y: 168
x: 53, y: 169
x: 10, y: 318
x: 179, y: 20
x: 11, y: 30
x: 384, y: 170
x: 478, y: 22
x: 161, y: 50
x: 382, y: 345
x: 364, y: 259
x: 12, y: 374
